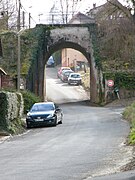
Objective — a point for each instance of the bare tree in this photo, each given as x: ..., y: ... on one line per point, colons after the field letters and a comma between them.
x: 116, y: 33
x: 64, y: 9
x: 131, y: 5
x: 7, y: 15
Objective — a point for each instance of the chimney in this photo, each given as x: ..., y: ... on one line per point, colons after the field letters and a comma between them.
x: 94, y: 5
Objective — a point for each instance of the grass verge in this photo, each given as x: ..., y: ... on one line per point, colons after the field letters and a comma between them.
x: 129, y: 114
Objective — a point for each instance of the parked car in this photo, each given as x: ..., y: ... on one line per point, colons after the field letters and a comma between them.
x: 50, y: 62
x: 61, y: 69
x: 44, y: 113
x: 65, y: 74
x: 75, y: 78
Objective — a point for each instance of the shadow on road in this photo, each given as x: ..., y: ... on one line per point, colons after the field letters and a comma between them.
x: 84, y: 103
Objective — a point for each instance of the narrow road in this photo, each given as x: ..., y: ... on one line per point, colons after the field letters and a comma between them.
x: 89, y: 143
x: 60, y: 92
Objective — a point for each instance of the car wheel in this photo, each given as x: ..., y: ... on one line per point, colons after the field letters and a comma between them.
x: 60, y: 122
x: 55, y: 122
x: 28, y: 126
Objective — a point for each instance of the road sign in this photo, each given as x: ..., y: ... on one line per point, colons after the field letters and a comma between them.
x: 110, y: 83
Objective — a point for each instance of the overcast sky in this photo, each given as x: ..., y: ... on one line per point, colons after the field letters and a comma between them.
x: 39, y: 9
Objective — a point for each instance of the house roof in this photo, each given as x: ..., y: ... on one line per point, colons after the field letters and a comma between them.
x: 81, y: 19
x: 1, y: 70
x: 115, y: 5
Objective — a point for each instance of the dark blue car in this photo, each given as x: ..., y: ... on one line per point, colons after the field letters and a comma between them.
x: 44, y: 113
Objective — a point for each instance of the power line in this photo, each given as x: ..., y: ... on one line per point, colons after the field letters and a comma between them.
x: 22, y: 7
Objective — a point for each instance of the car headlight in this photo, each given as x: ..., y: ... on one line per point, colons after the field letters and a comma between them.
x: 50, y: 116
x: 28, y: 118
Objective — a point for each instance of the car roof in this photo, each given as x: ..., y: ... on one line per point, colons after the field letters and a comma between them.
x: 67, y: 70
x: 44, y: 103
x: 75, y: 73
x: 66, y: 67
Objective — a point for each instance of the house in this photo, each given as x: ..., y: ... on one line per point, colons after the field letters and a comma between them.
x: 111, y: 10
x: 81, y: 18
x: 70, y: 57
x: 6, y: 81
x: 2, y: 72
x: 73, y: 58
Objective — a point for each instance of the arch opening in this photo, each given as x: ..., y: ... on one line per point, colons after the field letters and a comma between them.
x: 75, y: 57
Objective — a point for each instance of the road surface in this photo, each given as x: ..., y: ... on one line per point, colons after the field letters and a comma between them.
x: 61, y: 92
x: 88, y: 145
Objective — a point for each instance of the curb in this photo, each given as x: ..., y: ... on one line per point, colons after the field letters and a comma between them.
x: 4, y: 138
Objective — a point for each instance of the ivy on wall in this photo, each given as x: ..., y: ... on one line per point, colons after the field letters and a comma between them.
x: 95, y: 45
x: 122, y: 79
x: 11, y: 111
x: 34, y: 42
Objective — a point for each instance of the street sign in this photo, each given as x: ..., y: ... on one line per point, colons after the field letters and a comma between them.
x: 110, y: 83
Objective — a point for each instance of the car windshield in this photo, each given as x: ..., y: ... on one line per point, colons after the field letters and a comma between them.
x: 75, y: 75
x: 42, y: 107
x: 67, y: 73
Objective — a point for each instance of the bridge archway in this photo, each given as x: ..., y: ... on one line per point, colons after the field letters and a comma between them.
x: 56, y: 37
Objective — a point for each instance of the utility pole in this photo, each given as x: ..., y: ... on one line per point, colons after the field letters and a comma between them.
x: 29, y: 20
x: 52, y: 18
x: 18, y: 18
x: 40, y: 15
x: 19, y: 60
x: 45, y: 97
x: 18, y: 64
x: 23, y: 19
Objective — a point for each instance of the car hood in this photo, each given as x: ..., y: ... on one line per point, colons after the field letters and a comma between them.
x: 40, y: 113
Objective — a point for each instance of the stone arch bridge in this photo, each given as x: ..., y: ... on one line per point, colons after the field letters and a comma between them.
x: 51, y: 38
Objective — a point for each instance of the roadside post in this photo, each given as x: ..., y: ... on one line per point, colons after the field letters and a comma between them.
x: 109, y: 93
x: 116, y: 90
x: 18, y: 59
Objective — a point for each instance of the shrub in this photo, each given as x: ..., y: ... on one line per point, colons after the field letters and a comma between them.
x: 29, y: 99
x: 129, y: 114
x: 11, y: 110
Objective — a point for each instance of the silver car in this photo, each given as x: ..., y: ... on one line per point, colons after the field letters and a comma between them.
x: 75, y: 78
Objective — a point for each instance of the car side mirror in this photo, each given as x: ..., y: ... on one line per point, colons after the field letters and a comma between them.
x: 57, y: 109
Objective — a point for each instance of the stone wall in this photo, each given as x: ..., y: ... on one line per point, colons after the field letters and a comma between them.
x: 11, y: 109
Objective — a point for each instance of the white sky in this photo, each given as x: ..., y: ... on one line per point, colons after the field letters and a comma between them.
x: 39, y: 9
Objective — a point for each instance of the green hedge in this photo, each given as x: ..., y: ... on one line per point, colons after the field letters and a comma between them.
x: 124, y: 80
x: 3, y: 109
x: 11, y: 111
x: 29, y: 99
x: 129, y: 114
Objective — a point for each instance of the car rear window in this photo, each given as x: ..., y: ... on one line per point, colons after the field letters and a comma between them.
x: 67, y: 72
x: 75, y: 75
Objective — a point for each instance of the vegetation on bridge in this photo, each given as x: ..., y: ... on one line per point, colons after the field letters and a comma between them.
x: 113, y: 52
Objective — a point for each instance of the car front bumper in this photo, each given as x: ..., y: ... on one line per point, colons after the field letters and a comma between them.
x: 41, y: 122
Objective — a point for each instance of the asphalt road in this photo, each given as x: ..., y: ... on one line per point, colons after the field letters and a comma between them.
x: 62, y: 92
x: 89, y: 144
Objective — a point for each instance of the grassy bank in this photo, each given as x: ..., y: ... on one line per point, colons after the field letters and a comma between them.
x: 129, y: 114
